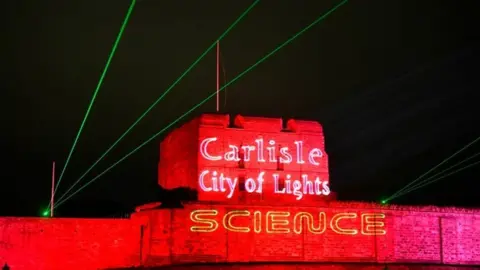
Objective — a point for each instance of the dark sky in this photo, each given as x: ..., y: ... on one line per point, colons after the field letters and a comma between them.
x: 394, y: 84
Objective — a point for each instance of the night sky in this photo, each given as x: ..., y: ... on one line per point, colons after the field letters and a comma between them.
x: 394, y: 84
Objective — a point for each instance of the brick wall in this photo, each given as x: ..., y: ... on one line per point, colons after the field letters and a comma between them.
x: 413, y: 234
x: 271, y: 227
x: 42, y: 243
x: 178, y: 157
x: 297, y: 266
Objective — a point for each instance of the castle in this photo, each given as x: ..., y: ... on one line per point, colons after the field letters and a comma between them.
x: 262, y: 197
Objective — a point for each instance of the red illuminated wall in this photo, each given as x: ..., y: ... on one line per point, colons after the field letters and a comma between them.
x: 182, y: 161
x: 326, y: 266
x: 413, y: 234
x: 178, y: 157
x: 42, y: 243
x: 260, y: 227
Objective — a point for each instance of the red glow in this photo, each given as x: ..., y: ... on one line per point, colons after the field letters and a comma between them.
x: 287, y: 222
x: 413, y: 234
x: 295, y: 156
x: 249, y: 226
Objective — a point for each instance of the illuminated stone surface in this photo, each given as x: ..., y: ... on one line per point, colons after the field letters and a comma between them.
x: 247, y: 227
x: 207, y: 147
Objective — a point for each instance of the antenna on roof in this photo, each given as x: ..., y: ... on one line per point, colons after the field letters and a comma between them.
x: 53, y: 190
x: 218, y: 76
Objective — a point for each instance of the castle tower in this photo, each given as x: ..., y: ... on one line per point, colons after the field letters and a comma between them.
x: 255, y: 160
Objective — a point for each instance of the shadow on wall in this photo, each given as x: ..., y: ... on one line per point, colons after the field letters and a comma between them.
x: 173, y: 198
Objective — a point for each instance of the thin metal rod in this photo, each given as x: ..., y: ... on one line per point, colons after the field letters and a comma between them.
x: 53, y: 190
x: 218, y: 75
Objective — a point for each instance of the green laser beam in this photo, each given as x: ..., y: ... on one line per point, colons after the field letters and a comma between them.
x: 435, y: 167
x: 436, y: 175
x: 437, y: 179
x: 97, y: 89
x: 206, y: 99
x: 162, y: 96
